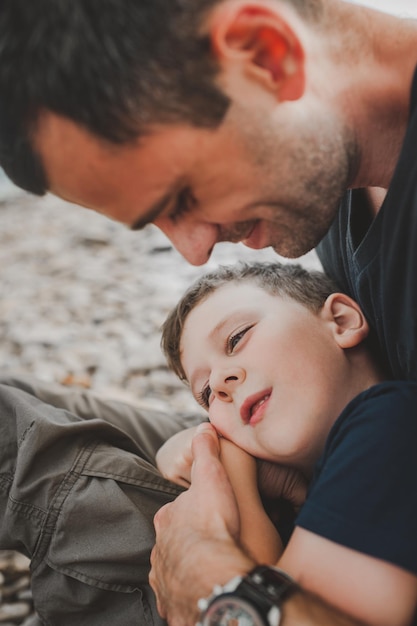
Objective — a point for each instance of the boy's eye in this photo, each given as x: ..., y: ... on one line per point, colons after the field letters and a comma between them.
x: 234, y: 339
x: 203, y: 397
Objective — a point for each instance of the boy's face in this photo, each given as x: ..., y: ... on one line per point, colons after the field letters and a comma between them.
x: 270, y: 372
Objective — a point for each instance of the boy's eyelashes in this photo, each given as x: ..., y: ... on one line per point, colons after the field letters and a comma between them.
x: 235, y: 337
x: 203, y: 396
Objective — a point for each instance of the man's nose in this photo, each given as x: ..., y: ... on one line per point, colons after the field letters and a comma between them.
x: 224, y: 383
x: 193, y: 239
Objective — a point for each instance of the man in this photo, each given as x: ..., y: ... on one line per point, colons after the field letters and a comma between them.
x: 225, y: 120
x: 257, y: 98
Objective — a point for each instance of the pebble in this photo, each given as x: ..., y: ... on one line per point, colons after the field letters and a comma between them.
x: 15, y: 596
x: 16, y: 611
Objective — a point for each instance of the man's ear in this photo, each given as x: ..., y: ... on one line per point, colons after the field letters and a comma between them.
x: 262, y: 40
x: 348, y: 322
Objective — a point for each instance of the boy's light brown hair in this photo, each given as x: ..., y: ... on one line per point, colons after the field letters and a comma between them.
x: 308, y: 287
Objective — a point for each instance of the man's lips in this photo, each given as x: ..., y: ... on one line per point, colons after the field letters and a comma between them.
x: 236, y: 232
x: 257, y: 237
x: 254, y: 407
x: 253, y: 233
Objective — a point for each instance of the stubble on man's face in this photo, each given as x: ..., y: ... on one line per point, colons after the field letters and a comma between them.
x: 305, y: 174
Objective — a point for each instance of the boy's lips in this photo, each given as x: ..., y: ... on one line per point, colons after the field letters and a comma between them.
x: 254, y: 407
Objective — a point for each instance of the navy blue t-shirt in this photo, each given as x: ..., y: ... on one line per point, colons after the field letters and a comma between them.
x: 364, y: 491
x: 375, y: 260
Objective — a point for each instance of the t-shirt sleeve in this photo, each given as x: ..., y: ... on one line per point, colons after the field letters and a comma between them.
x: 364, y: 493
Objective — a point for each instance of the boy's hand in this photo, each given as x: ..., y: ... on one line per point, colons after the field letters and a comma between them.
x: 174, y: 459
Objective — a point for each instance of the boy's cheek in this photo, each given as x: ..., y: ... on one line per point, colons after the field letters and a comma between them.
x: 220, y: 423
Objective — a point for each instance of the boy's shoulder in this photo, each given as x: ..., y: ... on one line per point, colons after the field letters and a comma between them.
x: 384, y: 412
x: 368, y: 472
x: 401, y: 394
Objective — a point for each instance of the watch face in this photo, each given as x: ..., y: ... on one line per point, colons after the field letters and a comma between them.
x: 232, y: 611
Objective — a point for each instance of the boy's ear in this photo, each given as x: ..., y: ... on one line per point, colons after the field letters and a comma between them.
x: 263, y: 42
x: 349, y: 325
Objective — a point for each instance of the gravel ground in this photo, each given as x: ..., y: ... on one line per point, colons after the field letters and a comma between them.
x: 82, y: 302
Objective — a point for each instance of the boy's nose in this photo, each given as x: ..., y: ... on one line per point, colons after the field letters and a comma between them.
x: 225, y: 382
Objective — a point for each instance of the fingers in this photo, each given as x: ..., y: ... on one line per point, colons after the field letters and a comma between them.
x: 156, y: 574
x: 153, y: 581
x: 206, y: 454
x: 162, y: 516
x: 205, y: 440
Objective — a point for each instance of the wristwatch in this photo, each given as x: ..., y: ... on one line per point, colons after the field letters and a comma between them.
x: 251, y: 600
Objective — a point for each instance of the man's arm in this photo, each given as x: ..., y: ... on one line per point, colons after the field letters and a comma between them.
x: 198, y: 547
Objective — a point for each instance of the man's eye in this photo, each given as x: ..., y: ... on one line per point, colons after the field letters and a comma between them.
x: 234, y: 339
x: 185, y: 202
x: 203, y: 397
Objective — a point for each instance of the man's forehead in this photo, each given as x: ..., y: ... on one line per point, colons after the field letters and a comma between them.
x: 84, y: 169
x: 61, y: 143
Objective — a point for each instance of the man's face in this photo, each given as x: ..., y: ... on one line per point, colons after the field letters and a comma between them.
x: 249, y: 180
x: 269, y: 371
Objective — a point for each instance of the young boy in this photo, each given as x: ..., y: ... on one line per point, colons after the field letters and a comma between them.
x: 279, y: 360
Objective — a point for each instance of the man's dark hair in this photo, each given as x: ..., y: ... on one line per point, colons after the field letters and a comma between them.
x: 112, y: 66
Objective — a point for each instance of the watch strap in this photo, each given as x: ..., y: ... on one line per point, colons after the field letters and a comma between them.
x: 264, y: 586
x: 276, y: 584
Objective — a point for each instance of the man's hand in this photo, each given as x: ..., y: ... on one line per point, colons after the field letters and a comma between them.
x: 196, y: 537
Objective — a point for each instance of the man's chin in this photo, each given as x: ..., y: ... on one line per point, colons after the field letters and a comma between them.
x: 293, y: 248
x: 265, y: 234
x: 291, y: 252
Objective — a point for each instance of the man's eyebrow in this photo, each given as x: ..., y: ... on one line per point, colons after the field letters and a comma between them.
x: 155, y: 210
